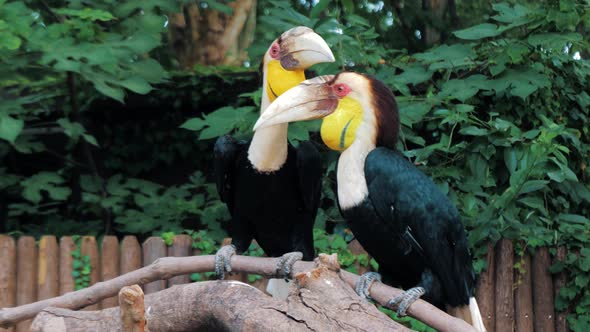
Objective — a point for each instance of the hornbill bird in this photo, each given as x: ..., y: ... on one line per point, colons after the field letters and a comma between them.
x: 271, y: 188
x: 394, y: 210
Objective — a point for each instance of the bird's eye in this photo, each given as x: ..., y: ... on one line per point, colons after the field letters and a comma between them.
x: 274, y: 51
x: 341, y: 89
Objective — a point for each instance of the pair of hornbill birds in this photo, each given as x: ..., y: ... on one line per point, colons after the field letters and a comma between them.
x: 397, y: 213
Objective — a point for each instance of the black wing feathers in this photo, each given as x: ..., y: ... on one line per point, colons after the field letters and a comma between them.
x: 406, y: 199
x: 225, y: 153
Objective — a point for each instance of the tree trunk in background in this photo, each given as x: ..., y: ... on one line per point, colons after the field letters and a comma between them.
x: 435, y: 11
x: 209, y: 37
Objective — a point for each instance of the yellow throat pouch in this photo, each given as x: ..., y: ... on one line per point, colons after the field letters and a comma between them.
x: 339, y: 128
x: 279, y: 80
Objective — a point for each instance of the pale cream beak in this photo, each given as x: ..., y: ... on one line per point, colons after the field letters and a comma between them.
x: 302, y: 48
x: 312, y: 99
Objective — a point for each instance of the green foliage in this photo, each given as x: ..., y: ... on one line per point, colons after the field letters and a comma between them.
x: 81, y: 267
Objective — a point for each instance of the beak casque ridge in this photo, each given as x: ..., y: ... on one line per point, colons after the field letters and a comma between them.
x: 302, y: 48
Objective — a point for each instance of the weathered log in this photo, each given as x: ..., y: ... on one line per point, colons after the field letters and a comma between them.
x: 109, y: 265
x: 543, y: 297
x: 168, y: 267
x: 523, y: 299
x: 319, y: 301
x: 26, y: 273
x: 132, y: 308
x: 485, y: 291
x: 559, y: 281
x: 504, y: 290
x: 7, y: 274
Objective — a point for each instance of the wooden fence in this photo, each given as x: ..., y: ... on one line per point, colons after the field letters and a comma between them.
x: 31, y: 271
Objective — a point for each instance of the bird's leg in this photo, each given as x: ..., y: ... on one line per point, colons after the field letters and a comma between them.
x: 285, y: 264
x: 222, y: 259
x: 364, y: 284
x: 404, y: 300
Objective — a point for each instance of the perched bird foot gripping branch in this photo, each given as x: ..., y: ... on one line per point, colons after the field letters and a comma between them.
x: 222, y: 260
x: 406, y: 299
x: 286, y: 262
x: 364, y: 284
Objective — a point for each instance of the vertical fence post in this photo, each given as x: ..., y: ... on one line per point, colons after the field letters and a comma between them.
x: 109, y: 265
x: 26, y: 274
x: 523, y: 299
x: 7, y: 273
x: 66, y: 279
x: 485, y: 291
x: 130, y: 254
x: 153, y: 248
x: 182, y: 246
x: 504, y: 296
x: 48, y: 268
x: 543, y: 297
x: 88, y: 247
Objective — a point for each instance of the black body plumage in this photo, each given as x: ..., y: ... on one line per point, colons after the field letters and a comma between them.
x: 277, y: 209
x: 412, y: 230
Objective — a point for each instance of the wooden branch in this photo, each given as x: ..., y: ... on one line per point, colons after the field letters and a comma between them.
x: 165, y: 268
x: 319, y: 301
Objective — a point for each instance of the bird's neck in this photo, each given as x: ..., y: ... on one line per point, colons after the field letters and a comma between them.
x: 269, y: 146
x: 352, y: 185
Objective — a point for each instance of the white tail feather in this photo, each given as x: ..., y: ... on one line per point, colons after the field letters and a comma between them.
x: 278, y: 288
x: 476, y: 318
x: 469, y: 313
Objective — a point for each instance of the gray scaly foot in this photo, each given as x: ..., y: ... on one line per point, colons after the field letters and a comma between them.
x: 222, y: 259
x: 406, y: 299
x: 285, y: 264
x: 364, y: 283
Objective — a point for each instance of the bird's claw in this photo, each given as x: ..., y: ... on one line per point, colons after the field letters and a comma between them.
x: 406, y: 299
x: 364, y: 284
x: 285, y: 264
x: 222, y: 260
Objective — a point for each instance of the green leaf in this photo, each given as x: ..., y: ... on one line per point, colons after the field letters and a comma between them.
x: 194, y: 124
x: 136, y: 84
x: 533, y: 185
x: 517, y: 14
x: 10, y: 127
x: 574, y: 218
x: 473, y: 131
x: 413, y: 112
x: 480, y: 31
x: 45, y: 181
x: 86, y: 13
x: 556, y: 41
x: 319, y: 8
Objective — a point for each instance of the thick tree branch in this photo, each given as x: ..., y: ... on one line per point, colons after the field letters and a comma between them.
x: 168, y: 267
x: 319, y: 300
